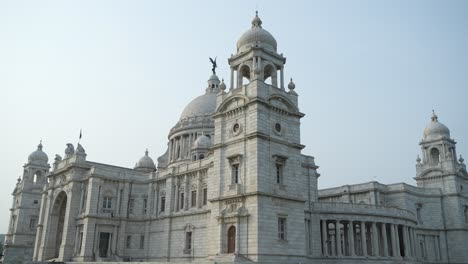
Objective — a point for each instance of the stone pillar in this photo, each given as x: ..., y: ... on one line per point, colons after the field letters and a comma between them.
x: 397, y: 241
x: 351, y: 239
x: 282, y: 77
x: 393, y: 239
x: 232, y: 79
x: 363, y: 238
x: 384, y: 240
x: 406, y: 242
x: 199, y: 190
x: 324, y: 238
x: 176, y: 197
x: 375, y: 240
x: 187, y: 193
x: 415, y: 243
x: 338, y: 238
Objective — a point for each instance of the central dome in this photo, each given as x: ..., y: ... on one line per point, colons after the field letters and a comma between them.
x: 203, y: 105
x: 256, y: 36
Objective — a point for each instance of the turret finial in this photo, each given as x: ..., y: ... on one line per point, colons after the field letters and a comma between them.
x: 256, y: 22
x: 146, y: 152
x: 434, y: 117
x: 39, y: 147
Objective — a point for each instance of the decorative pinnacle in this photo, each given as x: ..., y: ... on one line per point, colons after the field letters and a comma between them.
x: 256, y: 22
x: 461, y: 159
x: 434, y: 117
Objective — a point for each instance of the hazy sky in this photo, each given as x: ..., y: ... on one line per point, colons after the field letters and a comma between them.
x: 367, y: 73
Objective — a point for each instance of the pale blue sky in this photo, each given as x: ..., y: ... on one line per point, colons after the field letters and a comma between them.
x: 367, y: 73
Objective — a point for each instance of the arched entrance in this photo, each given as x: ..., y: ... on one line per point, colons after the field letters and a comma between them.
x: 231, y: 243
x: 56, y: 227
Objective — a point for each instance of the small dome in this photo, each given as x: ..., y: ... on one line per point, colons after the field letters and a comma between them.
x: 145, y: 163
x: 256, y: 35
x: 436, y: 130
x: 214, y: 78
x: 222, y: 86
x: 291, y: 85
x: 202, y: 142
x: 38, y: 157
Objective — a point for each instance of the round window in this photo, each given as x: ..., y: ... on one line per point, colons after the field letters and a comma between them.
x: 36, y: 202
x: 236, y: 127
x: 278, y: 127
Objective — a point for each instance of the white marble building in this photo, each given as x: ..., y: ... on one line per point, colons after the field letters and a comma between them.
x: 234, y: 186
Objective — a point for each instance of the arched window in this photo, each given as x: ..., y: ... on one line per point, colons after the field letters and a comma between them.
x: 37, y: 177
x: 178, y: 152
x: 202, y: 156
x: 435, y: 155
x: 243, y: 76
x: 269, y: 75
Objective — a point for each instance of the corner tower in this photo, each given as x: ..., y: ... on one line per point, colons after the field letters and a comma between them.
x: 260, y: 181
x: 438, y: 166
x: 20, y: 238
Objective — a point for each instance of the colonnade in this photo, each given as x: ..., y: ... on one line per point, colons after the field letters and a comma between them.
x: 367, y: 239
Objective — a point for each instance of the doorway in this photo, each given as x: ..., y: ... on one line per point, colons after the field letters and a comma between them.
x: 231, y: 245
x: 104, y: 241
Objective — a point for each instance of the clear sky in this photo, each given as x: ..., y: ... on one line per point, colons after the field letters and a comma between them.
x: 368, y: 74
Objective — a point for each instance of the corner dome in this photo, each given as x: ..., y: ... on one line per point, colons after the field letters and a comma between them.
x: 145, y: 163
x: 202, y: 142
x: 38, y: 157
x: 436, y: 130
x: 256, y: 36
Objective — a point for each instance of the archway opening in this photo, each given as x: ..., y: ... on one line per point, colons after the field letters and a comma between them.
x: 231, y: 245
x: 55, y: 233
x: 269, y: 75
x: 435, y: 155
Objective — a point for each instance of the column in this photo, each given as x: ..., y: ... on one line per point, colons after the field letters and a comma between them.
x: 324, y: 238
x: 384, y: 240
x: 351, y: 239
x: 187, y: 193
x: 393, y: 239
x: 397, y: 241
x: 199, y: 190
x: 338, y: 237
x: 282, y: 77
x: 363, y: 238
x: 176, y: 203
x: 406, y: 242
x: 375, y: 240
x: 170, y: 151
x: 232, y: 79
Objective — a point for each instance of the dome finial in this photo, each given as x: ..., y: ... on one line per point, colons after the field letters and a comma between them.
x: 256, y: 22
x: 434, y: 117
x: 39, y: 147
x: 146, y: 152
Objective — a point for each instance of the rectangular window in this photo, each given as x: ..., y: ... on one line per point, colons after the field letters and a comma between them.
x: 131, y: 205
x: 80, y: 242
x: 128, y: 243
x: 32, y: 223
x: 466, y: 213
x: 194, y: 199
x: 107, y: 202
x: 282, y: 228
x: 205, y: 196
x: 418, y: 212
x: 163, y: 203
x: 235, y: 173
x: 145, y: 205
x: 279, y: 173
x: 181, y: 201
x: 188, y: 241
x: 142, y: 242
